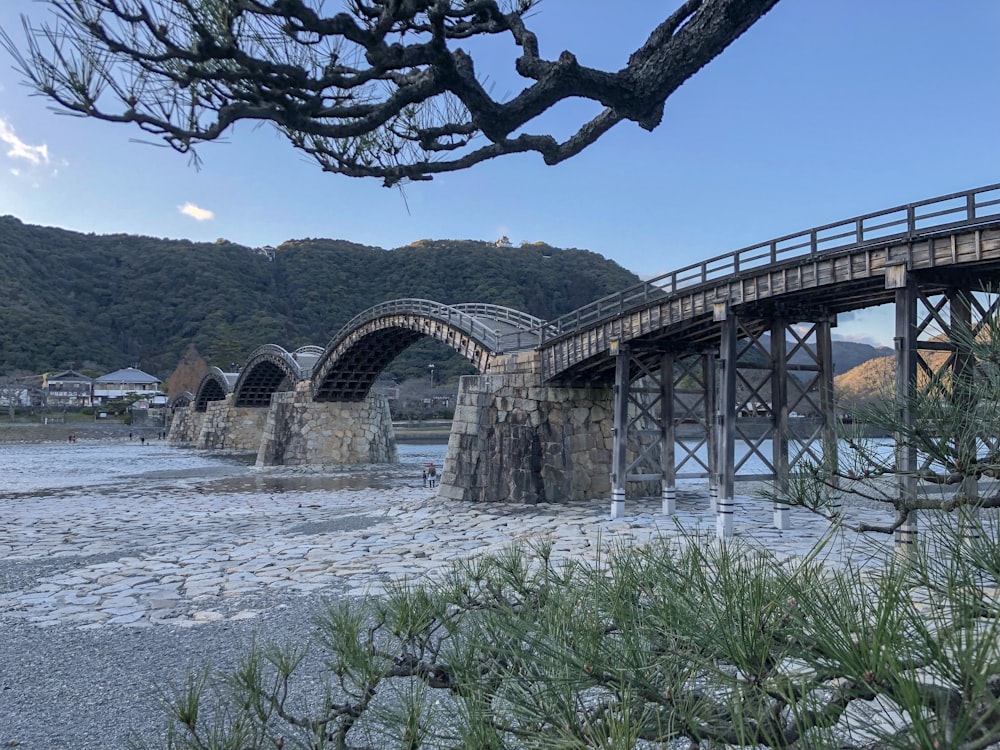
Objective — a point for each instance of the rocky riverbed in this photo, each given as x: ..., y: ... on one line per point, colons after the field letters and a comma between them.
x: 125, y: 567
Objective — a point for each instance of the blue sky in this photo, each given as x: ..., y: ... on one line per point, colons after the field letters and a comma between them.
x: 823, y: 110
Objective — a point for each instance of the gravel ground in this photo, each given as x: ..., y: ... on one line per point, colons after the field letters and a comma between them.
x: 64, y: 687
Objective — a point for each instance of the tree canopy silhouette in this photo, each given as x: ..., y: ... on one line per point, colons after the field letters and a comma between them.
x: 384, y: 88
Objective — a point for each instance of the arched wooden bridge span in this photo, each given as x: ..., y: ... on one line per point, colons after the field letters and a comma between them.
x: 735, y: 351
x: 348, y: 366
x: 279, y: 393
x: 366, y: 344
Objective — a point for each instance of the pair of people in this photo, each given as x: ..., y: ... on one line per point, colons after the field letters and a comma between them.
x: 430, y: 475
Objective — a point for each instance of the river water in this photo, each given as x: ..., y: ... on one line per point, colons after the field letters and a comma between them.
x: 121, y: 466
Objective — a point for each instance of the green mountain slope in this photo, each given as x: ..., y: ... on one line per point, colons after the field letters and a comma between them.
x: 75, y: 300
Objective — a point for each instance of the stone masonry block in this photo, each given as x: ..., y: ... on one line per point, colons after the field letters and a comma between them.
x: 579, y: 443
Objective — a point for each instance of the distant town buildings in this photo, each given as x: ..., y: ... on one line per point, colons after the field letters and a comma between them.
x: 129, y: 381
x: 70, y: 389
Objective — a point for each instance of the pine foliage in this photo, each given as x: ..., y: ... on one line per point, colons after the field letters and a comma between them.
x: 691, y: 646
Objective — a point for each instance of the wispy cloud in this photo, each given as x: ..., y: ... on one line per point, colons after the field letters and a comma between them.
x: 21, y: 150
x: 196, y: 213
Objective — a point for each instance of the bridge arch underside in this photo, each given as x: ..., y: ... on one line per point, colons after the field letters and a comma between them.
x: 181, y: 400
x: 213, y: 387
x: 261, y: 378
x: 351, y: 367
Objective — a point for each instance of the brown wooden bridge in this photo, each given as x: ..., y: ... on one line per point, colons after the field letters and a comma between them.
x: 734, y: 350
x: 688, y: 332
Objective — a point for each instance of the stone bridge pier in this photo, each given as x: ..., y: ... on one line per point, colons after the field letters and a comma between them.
x: 228, y: 427
x: 299, y: 431
x: 185, y: 426
x: 513, y: 440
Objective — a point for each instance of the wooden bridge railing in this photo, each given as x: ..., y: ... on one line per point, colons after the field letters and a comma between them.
x: 910, y: 221
x: 310, y: 350
x: 522, y: 328
x: 500, y: 314
x: 452, y: 315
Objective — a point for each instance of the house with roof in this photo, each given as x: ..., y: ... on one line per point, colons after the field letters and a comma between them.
x: 68, y: 389
x: 129, y: 381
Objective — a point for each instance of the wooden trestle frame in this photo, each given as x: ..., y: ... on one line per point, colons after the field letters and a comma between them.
x: 708, y: 414
x: 931, y: 318
x: 766, y: 395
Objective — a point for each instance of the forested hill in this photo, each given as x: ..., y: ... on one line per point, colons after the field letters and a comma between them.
x: 107, y: 301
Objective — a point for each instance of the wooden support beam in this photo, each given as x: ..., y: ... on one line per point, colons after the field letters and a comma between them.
x: 824, y: 346
x: 712, y: 423
x: 779, y: 410
x: 963, y: 401
x: 727, y: 426
x: 620, y: 437
x: 669, y: 436
x: 906, y: 383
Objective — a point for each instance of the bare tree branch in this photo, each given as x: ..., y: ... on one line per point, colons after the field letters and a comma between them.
x: 381, y: 89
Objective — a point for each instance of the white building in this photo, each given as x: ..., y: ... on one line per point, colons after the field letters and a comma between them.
x: 127, y: 382
x: 13, y: 394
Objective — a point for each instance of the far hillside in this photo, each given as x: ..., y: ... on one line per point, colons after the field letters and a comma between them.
x: 876, y: 378
x: 850, y: 354
x: 863, y: 384
x: 100, y: 302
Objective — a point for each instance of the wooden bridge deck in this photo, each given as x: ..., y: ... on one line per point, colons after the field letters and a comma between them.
x: 807, y: 276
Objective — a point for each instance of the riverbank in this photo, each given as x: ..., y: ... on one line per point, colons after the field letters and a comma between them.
x: 31, y: 432
x: 430, y: 431
x: 118, y: 578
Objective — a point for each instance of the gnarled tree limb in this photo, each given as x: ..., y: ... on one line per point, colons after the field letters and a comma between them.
x: 381, y: 89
